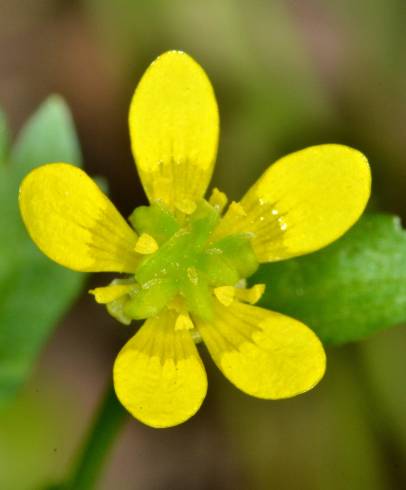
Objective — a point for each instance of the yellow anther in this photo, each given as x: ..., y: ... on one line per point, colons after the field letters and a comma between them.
x: 225, y: 294
x: 110, y: 293
x: 146, y: 244
x: 237, y: 210
x: 251, y: 295
x: 218, y: 200
x: 186, y: 206
x: 184, y: 322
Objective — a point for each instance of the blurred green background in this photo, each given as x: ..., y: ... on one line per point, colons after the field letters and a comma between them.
x: 287, y: 74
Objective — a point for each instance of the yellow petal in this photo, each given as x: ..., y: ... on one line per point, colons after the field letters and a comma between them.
x: 264, y: 354
x: 74, y: 223
x: 158, y: 375
x: 174, y: 126
x: 303, y: 202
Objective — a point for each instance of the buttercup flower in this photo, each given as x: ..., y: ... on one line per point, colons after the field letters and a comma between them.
x: 184, y: 259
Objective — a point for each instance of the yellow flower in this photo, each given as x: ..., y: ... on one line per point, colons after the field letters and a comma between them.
x: 185, y: 259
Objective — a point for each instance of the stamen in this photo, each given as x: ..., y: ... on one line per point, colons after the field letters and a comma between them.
x: 218, y: 200
x: 237, y: 210
x: 146, y: 244
x: 251, y: 295
x: 110, y: 293
x: 184, y: 322
x: 225, y: 294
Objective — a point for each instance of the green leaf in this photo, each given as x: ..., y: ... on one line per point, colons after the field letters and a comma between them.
x: 48, y: 136
x: 34, y: 292
x: 349, y: 290
x: 4, y: 137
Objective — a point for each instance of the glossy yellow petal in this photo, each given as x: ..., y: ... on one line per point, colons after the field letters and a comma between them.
x: 264, y: 354
x: 158, y: 375
x: 303, y: 202
x: 74, y: 223
x: 174, y: 126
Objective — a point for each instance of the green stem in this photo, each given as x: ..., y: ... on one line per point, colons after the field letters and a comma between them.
x: 106, y: 426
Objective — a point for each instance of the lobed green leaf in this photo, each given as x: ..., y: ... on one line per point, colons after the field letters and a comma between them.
x: 349, y: 290
x: 48, y: 136
x: 34, y: 292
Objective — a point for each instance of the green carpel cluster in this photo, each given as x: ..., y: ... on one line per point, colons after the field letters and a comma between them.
x: 188, y: 265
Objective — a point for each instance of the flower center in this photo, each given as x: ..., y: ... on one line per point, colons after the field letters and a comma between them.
x: 188, y: 267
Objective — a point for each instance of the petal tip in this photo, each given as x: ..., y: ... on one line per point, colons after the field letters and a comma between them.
x: 173, y: 118
x: 142, y: 411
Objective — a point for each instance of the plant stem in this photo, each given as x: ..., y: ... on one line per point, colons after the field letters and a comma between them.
x: 106, y: 426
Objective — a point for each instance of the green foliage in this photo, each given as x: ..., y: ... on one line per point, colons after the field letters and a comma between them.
x: 48, y: 136
x: 350, y: 289
x: 3, y: 137
x: 34, y: 292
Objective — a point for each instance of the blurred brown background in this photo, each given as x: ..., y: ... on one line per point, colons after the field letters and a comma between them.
x: 287, y: 74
